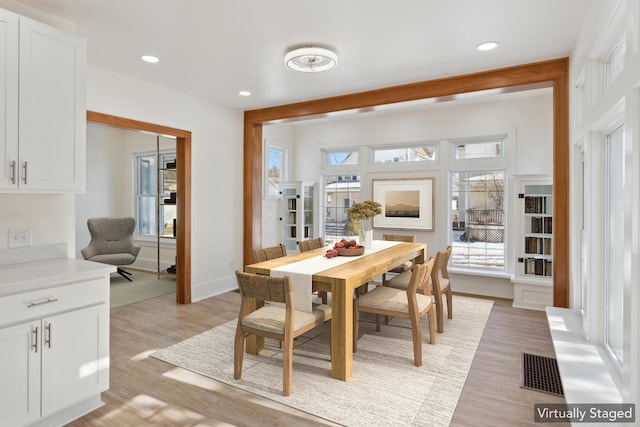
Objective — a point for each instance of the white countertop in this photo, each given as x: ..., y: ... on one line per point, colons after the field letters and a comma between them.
x: 31, y: 276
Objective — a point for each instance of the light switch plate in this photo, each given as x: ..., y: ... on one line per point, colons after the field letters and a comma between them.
x: 19, y: 237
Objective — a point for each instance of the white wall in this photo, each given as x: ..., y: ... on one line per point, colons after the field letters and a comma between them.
x: 528, y: 118
x: 216, y: 158
x: 110, y: 189
x: 280, y: 136
x: 594, y: 109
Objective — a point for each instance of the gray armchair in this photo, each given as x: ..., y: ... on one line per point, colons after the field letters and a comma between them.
x: 112, y: 242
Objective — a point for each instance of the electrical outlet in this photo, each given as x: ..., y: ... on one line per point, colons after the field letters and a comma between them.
x: 19, y: 237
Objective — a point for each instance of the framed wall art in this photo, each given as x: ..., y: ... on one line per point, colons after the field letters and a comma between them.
x: 406, y: 203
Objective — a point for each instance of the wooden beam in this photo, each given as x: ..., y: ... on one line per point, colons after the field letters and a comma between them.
x: 554, y: 71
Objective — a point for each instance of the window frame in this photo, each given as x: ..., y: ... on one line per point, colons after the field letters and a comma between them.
x: 164, y: 156
x: 269, y: 191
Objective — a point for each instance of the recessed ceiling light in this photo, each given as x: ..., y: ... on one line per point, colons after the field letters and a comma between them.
x: 150, y: 59
x: 311, y: 59
x: 487, y: 46
x: 244, y: 93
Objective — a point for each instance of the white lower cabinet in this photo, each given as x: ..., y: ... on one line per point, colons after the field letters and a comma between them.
x: 57, y: 361
x: 20, y: 370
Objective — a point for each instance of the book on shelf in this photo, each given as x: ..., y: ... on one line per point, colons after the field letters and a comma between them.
x: 535, y: 204
x: 538, y: 267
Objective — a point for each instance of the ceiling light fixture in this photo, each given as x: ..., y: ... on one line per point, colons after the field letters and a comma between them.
x: 311, y: 59
x: 487, y: 46
x: 244, y: 93
x: 150, y: 59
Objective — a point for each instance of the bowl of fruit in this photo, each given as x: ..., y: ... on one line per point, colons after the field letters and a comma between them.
x: 348, y: 248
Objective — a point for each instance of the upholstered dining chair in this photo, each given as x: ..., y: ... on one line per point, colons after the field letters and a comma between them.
x: 439, y: 285
x: 265, y: 254
x: 112, y: 242
x: 281, y: 323
x: 408, y: 304
x: 407, y: 265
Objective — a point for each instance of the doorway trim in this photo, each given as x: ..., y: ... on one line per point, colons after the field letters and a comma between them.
x: 183, y: 205
x: 555, y: 71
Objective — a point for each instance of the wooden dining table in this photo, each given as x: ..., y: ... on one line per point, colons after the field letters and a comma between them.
x: 341, y: 281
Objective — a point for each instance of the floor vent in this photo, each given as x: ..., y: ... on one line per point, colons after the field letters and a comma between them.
x: 540, y: 373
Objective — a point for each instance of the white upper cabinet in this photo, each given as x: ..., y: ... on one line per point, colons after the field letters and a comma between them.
x: 47, y: 152
x: 8, y: 98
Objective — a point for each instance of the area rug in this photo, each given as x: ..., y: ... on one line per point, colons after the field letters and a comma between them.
x: 386, y: 388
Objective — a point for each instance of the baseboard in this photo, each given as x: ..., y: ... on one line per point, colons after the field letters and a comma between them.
x: 210, y: 289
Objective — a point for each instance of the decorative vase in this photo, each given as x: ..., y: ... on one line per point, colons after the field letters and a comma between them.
x: 366, y: 233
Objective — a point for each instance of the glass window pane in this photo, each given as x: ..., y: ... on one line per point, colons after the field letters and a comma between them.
x: 478, y: 150
x: 615, y: 237
x: 477, y: 220
x: 275, y: 163
x: 341, y: 158
x: 404, y: 154
x: 340, y: 192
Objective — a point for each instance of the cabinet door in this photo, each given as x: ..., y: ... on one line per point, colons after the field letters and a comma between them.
x: 20, y: 351
x: 75, y: 357
x: 8, y: 99
x: 52, y: 113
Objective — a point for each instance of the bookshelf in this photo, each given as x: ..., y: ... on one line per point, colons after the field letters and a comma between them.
x: 166, y: 204
x: 533, y: 275
x: 298, y: 213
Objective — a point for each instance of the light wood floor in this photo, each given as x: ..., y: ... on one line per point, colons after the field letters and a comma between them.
x: 145, y: 391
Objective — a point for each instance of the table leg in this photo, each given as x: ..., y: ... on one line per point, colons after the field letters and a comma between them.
x: 341, y: 330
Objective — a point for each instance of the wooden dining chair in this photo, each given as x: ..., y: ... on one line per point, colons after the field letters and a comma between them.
x: 403, y: 267
x: 439, y: 285
x: 307, y: 245
x: 281, y: 323
x: 265, y: 254
x: 408, y: 304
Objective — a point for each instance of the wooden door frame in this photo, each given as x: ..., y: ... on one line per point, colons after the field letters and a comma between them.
x: 555, y: 71
x: 183, y: 205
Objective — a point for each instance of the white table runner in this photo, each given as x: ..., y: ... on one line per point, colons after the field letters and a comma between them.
x: 300, y: 272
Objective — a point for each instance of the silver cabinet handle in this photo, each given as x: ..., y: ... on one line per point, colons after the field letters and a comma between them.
x: 35, y: 339
x: 13, y: 172
x: 41, y: 302
x: 47, y: 340
x: 25, y: 172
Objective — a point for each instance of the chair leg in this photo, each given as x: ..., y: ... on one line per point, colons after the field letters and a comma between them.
x: 124, y: 274
x: 287, y: 366
x: 432, y: 324
x: 356, y: 324
x: 238, y: 354
x: 440, y: 314
x: 323, y: 296
x: 449, y: 304
x: 416, y: 330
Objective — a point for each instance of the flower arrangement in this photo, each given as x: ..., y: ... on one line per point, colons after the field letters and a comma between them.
x: 364, y: 210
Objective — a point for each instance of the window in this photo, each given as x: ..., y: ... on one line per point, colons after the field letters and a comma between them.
x: 477, y: 219
x: 614, y: 237
x: 478, y: 150
x: 275, y: 170
x: 341, y: 158
x: 615, y: 62
x: 340, y: 192
x: 147, y: 191
x: 404, y: 154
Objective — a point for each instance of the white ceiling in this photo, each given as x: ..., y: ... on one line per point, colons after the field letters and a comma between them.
x: 214, y: 48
